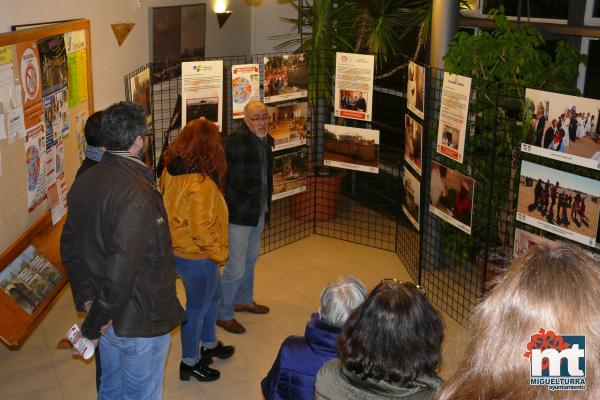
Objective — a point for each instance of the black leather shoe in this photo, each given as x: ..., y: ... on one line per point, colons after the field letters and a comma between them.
x: 221, y: 351
x: 199, y: 371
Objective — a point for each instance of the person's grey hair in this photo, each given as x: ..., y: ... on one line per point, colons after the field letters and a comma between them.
x: 121, y: 124
x: 339, y: 298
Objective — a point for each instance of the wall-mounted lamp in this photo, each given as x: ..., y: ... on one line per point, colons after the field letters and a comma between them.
x: 222, y: 17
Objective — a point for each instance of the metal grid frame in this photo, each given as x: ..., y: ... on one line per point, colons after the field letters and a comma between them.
x: 454, y: 267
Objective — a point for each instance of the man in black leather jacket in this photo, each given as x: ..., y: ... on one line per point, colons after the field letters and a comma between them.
x: 116, y: 249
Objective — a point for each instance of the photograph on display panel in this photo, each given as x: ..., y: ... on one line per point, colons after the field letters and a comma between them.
x: 559, y: 202
x: 411, y: 202
x: 287, y: 125
x: 351, y: 148
x: 451, y: 196
x: 354, y: 86
x: 286, y: 77
x: 525, y: 240
x: 202, y: 91
x: 289, y: 174
x: 563, y: 128
x: 140, y: 92
x: 413, y: 142
x: 415, y: 96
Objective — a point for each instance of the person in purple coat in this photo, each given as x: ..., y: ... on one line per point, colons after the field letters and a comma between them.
x: 293, y: 373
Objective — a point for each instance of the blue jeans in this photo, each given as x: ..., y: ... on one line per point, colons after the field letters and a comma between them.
x: 132, y: 368
x: 202, y: 282
x: 238, y: 275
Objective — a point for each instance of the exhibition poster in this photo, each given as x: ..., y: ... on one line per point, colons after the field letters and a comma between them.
x: 56, y: 116
x: 35, y: 156
x: 559, y: 202
x: 413, y: 142
x: 289, y: 174
x: 287, y: 125
x: 415, y: 90
x: 202, y: 91
x: 454, y: 109
x: 411, y: 203
x: 139, y: 87
x: 245, y: 87
x: 351, y: 148
x: 53, y: 64
x: 29, y: 279
x: 451, y: 195
x: 354, y: 86
x: 286, y: 77
x: 562, y: 127
x: 12, y: 122
x: 31, y: 82
x: 525, y: 240
x: 77, y: 66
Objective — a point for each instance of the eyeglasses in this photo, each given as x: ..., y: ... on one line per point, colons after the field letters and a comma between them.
x: 257, y: 118
x: 395, y: 281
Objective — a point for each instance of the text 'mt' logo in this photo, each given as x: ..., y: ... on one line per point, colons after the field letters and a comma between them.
x: 557, y: 361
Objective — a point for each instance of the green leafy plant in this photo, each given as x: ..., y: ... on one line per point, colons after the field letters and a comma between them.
x: 503, y: 63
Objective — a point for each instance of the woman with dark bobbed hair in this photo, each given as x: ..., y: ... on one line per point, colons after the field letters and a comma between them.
x: 389, y: 348
x: 547, y: 292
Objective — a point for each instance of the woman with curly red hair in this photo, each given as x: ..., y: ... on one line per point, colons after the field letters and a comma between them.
x: 192, y: 185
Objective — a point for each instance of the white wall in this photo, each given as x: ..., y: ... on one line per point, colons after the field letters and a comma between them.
x: 111, y: 62
x: 266, y: 23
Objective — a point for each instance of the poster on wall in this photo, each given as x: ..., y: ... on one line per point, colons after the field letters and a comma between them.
x: 451, y: 196
x: 411, y: 202
x: 202, y: 91
x: 29, y: 279
x: 563, y: 128
x: 415, y: 90
x: 12, y: 122
x: 354, y: 86
x: 245, y: 87
x: 286, y: 77
x: 55, y: 181
x: 53, y: 64
x: 35, y: 156
x: 454, y: 109
x: 77, y: 66
x: 287, y: 125
x: 289, y: 174
x: 559, y: 202
x: 139, y: 86
x: 56, y: 116
x: 31, y: 82
x: 351, y: 148
x: 413, y: 142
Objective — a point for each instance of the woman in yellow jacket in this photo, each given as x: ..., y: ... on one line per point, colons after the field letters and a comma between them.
x: 192, y: 185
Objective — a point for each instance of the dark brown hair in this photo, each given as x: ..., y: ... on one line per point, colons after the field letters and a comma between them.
x: 198, y: 149
x: 395, y: 335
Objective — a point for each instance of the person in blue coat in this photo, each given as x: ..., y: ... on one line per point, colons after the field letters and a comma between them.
x: 293, y: 373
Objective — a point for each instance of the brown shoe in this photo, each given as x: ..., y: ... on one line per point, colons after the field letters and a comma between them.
x: 252, y: 308
x: 231, y: 325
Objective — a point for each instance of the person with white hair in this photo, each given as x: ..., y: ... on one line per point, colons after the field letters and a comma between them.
x: 294, y: 371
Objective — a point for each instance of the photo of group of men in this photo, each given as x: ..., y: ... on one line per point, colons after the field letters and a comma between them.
x: 353, y: 100
x: 286, y: 77
x: 559, y: 202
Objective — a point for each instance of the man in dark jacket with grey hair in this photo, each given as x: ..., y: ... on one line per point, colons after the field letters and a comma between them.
x: 116, y: 248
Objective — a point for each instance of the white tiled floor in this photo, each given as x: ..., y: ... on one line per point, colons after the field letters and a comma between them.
x: 288, y: 280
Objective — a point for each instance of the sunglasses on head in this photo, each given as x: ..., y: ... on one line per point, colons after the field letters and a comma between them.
x: 395, y: 281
